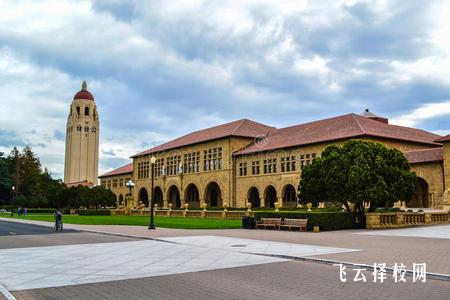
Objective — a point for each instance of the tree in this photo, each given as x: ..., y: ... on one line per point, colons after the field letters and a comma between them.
x: 358, y: 172
x: 101, y: 197
x: 5, y: 179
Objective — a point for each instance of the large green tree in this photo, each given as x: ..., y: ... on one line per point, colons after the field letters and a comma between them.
x: 358, y: 172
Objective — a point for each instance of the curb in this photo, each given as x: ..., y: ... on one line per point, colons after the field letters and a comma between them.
x: 6, y: 293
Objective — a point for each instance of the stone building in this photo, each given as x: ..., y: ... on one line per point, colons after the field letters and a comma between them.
x: 245, y: 161
x: 82, y: 140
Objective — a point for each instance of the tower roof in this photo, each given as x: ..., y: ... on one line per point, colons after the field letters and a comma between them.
x: 83, y: 93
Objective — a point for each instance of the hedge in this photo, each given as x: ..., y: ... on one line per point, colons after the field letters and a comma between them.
x: 325, y: 220
x: 41, y: 210
x: 94, y: 212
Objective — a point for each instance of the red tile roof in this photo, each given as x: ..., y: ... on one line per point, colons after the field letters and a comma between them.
x: 83, y: 183
x: 443, y: 139
x: 122, y: 170
x: 337, y: 128
x: 83, y: 95
x: 425, y: 155
x: 239, y: 128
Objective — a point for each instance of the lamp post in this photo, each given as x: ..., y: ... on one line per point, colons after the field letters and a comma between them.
x: 130, y: 185
x: 152, y: 225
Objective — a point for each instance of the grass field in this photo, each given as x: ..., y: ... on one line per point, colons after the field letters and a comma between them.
x: 167, y: 222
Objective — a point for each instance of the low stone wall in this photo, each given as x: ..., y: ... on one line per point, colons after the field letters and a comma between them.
x: 402, y: 219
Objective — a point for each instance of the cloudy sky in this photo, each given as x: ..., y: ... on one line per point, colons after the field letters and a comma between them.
x: 160, y: 69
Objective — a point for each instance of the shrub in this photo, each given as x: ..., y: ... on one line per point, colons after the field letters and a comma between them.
x: 389, y: 209
x: 45, y: 210
x: 325, y: 220
x: 94, y: 212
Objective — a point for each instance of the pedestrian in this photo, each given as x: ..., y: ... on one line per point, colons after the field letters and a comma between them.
x: 25, y: 211
x: 19, y: 211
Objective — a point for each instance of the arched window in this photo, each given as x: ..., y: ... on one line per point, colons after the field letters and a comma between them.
x: 93, y: 129
x: 78, y: 110
x: 86, y: 111
x: 79, y: 128
x: 86, y: 129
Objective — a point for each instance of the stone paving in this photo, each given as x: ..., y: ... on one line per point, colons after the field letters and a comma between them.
x: 255, y: 246
x: 435, y: 232
x: 285, y: 280
x: 374, y: 248
x: 40, y: 267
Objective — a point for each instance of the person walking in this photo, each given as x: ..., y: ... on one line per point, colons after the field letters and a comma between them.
x: 25, y: 211
x: 58, y: 220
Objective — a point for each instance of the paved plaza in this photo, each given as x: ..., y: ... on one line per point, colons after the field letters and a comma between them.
x: 131, y: 262
x: 435, y: 232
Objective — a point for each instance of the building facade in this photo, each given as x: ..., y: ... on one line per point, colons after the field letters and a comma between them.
x: 245, y: 161
x: 82, y: 140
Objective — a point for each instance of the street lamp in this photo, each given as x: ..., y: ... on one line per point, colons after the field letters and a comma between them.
x: 130, y: 185
x: 152, y: 225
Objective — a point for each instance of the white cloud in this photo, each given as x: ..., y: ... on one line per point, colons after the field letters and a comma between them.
x: 423, y: 113
x: 177, y: 66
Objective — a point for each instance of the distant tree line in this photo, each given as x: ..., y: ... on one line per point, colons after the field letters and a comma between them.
x: 23, y: 182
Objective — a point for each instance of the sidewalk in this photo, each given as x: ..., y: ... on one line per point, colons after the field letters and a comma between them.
x: 374, y: 248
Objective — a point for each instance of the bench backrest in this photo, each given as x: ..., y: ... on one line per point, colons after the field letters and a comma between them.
x: 270, y: 220
x: 295, y: 222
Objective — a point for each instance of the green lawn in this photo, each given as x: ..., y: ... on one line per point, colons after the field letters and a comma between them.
x: 168, y: 222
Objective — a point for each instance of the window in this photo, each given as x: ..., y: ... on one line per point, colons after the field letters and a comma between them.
x: 255, y: 167
x: 121, y: 182
x: 86, y: 111
x: 109, y: 184
x: 306, y: 159
x: 212, y: 159
x: 78, y: 110
x: 103, y: 183
x: 243, y: 169
x: 79, y: 128
x: 288, y: 164
x: 143, y: 169
x: 94, y: 129
x: 86, y: 129
x: 114, y: 183
x: 159, y: 167
x: 173, y: 165
x: 192, y: 162
x: 270, y: 166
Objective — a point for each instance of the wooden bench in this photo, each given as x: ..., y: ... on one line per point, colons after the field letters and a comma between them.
x: 269, y: 223
x: 294, y: 224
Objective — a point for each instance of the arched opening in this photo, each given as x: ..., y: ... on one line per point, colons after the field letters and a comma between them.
x: 253, y: 197
x: 173, y: 196
x: 143, y: 196
x: 421, y: 196
x: 270, y: 196
x: 120, y: 200
x: 213, y: 196
x: 158, y: 197
x: 289, y: 196
x: 192, y: 197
